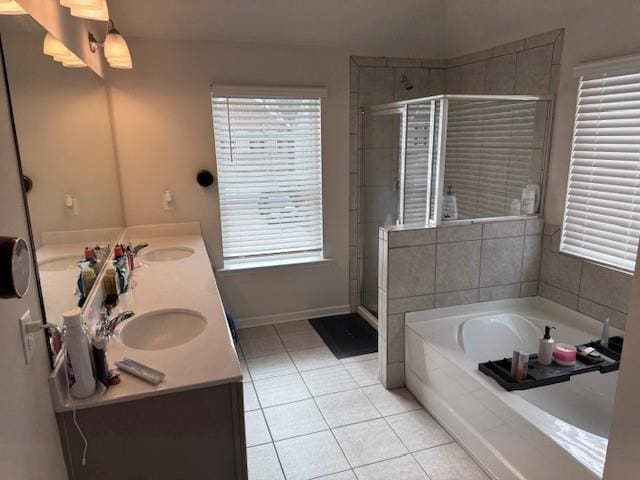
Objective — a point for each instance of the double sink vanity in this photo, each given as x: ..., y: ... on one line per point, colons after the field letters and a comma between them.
x: 179, y: 327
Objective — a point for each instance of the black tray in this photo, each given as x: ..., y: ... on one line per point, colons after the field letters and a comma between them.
x: 541, y: 375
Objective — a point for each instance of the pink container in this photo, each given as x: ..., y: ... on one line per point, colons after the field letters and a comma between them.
x: 564, y: 354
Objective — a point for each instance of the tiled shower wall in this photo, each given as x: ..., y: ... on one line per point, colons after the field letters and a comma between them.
x: 581, y: 285
x: 376, y: 80
x: 425, y: 268
x: 527, y: 66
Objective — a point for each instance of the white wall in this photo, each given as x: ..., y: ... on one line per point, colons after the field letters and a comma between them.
x: 595, y: 29
x: 164, y: 135
x: 64, y: 134
x: 29, y: 443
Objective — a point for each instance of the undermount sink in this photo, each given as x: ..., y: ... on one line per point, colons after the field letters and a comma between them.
x: 167, y: 254
x: 59, y: 264
x: 161, y: 329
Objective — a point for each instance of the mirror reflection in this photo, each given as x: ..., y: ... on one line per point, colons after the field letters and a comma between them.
x: 67, y: 154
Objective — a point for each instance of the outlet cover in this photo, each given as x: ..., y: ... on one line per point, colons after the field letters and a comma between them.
x: 27, y: 338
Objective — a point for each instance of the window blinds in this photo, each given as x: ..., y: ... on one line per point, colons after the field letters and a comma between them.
x: 268, y: 153
x: 416, y: 166
x: 602, y: 213
x: 490, y: 148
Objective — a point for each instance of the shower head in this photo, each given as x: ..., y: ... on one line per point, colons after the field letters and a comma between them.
x: 406, y: 83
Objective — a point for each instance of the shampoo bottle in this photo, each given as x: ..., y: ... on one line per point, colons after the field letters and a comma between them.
x: 545, y: 350
x: 78, y: 350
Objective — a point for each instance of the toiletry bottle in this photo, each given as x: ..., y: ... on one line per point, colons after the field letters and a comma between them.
x: 604, y: 341
x: 530, y: 198
x: 78, y: 351
x: 99, y: 349
x: 545, y: 350
x: 450, y: 205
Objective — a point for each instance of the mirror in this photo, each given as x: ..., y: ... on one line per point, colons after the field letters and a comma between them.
x: 62, y: 122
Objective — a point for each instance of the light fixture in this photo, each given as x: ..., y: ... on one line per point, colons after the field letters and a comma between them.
x: 11, y: 7
x: 116, y: 50
x: 60, y: 53
x: 90, y: 9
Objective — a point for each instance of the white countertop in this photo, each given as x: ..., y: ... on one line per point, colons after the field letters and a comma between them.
x: 207, y: 360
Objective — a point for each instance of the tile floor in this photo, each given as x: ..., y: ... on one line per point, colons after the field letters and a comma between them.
x: 309, y: 416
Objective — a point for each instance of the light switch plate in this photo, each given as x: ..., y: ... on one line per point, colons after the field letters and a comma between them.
x: 27, y: 338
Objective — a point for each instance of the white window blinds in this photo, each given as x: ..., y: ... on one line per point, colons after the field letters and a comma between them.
x: 491, y: 147
x: 268, y: 153
x: 602, y: 213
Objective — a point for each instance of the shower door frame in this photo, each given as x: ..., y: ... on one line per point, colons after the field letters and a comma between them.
x: 436, y: 220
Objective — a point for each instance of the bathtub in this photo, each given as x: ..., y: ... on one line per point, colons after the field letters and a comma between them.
x: 558, y: 431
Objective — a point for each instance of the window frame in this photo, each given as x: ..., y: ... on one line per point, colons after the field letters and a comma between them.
x: 614, y: 66
x: 277, y: 260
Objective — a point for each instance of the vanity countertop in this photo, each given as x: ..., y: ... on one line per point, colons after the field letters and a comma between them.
x: 188, y: 283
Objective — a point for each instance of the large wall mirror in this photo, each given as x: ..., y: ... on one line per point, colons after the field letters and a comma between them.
x: 63, y: 129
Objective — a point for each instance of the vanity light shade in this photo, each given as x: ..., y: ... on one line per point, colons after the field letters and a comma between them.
x: 11, y: 7
x: 117, y: 51
x: 95, y: 4
x: 60, y: 53
x: 90, y: 9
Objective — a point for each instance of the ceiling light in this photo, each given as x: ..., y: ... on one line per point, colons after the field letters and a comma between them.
x: 11, y: 7
x: 116, y: 50
x: 90, y: 9
x: 60, y: 53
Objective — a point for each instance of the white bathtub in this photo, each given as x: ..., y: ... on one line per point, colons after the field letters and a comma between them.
x: 544, y: 433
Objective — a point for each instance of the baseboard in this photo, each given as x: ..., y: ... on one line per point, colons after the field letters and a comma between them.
x: 292, y: 316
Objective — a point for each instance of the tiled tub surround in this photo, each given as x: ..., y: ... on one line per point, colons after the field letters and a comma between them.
x: 309, y: 415
x: 425, y: 268
x: 581, y: 285
x: 559, y: 431
x: 526, y: 66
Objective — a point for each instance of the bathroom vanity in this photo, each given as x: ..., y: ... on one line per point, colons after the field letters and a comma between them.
x: 191, y: 425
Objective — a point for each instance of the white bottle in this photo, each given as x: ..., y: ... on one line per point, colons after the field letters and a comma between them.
x: 449, y: 205
x: 78, y: 347
x: 545, y: 350
x: 530, y: 198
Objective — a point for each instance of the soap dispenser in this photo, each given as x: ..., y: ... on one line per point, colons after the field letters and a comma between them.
x: 545, y: 350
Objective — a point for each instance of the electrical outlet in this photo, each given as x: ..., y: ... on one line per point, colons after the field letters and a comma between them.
x: 27, y: 337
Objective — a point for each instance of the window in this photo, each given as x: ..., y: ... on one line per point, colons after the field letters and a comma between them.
x: 602, y: 213
x: 268, y: 152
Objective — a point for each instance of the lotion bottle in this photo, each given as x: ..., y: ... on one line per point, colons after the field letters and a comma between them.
x: 545, y: 350
x: 78, y: 350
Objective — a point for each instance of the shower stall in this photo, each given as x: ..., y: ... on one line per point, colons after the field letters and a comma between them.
x: 447, y: 158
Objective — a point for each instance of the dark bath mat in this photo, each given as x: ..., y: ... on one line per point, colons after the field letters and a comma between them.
x: 346, y: 335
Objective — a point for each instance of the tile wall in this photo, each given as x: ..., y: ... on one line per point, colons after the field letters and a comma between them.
x: 526, y: 66
x: 581, y: 285
x: 425, y: 268
x: 376, y: 80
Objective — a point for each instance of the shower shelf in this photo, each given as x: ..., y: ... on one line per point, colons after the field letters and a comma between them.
x: 541, y: 375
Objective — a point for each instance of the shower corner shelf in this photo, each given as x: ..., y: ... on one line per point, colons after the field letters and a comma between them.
x: 542, y: 375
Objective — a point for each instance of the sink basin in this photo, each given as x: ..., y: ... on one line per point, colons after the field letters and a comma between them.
x: 59, y: 264
x: 161, y: 329
x: 167, y: 254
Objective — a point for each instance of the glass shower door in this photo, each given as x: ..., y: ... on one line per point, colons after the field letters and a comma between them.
x: 382, y: 143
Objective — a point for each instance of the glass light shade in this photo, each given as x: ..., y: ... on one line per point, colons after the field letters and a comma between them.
x: 60, y: 53
x: 122, y: 64
x: 54, y: 47
x: 117, y: 51
x: 11, y: 7
x: 91, y: 13
x: 93, y: 4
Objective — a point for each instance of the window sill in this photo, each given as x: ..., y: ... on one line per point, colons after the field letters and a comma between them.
x: 273, y: 265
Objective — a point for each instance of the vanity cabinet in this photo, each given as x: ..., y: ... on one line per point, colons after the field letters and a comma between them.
x: 192, y: 434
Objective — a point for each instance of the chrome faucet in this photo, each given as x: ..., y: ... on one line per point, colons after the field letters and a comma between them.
x: 139, y: 247
x: 107, y: 324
